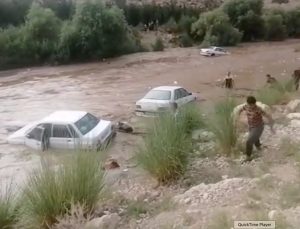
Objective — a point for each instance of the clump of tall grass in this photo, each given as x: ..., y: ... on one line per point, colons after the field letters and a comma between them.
x: 164, y: 154
x: 222, y: 124
x: 270, y: 96
x: 279, y: 92
x: 7, y: 207
x: 50, y: 193
x: 190, y: 118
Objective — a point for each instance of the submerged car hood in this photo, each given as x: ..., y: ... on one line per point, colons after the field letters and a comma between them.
x: 19, y: 136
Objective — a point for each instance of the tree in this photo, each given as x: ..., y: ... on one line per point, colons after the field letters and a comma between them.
x: 185, y: 23
x: 214, y: 28
x: 13, y: 12
x: 96, y: 32
x: 275, y: 28
x: 63, y: 9
x: 293, y: 22
x: 246, y: 16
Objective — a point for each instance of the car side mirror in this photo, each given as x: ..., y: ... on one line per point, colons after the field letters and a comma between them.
x: 190, y: 93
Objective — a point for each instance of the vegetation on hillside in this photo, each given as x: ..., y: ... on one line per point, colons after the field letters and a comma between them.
x: 59, y: 31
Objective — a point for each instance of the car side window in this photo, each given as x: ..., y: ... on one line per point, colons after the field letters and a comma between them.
x: 183, y: 92
x: 60, y: 131
x: 177, y: 94
x: 47, y: 127
x: 36, y: 133
x: 73, y: 131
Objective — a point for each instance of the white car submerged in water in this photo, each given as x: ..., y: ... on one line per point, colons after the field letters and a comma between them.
x: 214, y: 51
x: 160, y: 99
x: 65, y: 130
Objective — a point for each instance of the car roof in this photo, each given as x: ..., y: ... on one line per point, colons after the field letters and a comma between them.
x: 64, y: 116
x: 166, y: 88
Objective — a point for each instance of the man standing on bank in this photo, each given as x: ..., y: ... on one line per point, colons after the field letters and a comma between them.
x: 256, y: 125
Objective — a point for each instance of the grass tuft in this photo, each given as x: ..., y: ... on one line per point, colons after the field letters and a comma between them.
x: 7, y: 207
x: 190, y: 118
x: 164, y: 154
x: 223, y: 127
x: 50, y: 193
x: 276, y: 94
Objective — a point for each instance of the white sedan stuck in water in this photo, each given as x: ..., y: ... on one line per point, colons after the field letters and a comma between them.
x: 65, y: 130
x: 160, y: 99
x: 214, y: 51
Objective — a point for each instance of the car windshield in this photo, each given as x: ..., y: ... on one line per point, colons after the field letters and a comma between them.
x: 158, y: 95
x: 86, y: 123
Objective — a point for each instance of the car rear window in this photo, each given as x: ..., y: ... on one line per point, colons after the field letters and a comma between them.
x: 158, y: 95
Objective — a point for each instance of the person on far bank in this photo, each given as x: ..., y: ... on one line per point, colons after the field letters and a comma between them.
x: 256, y: 125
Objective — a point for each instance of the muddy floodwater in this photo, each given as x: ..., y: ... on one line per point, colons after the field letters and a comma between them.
x: 109, y: 89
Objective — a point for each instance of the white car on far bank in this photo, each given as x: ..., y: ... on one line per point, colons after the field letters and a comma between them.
x: 160, y: 99
x: 213, y: 51
x: 65, y: 130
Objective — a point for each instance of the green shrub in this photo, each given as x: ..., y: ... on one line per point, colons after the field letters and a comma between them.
x: 158, y: 45
x: 293, y: 22
x: 246, y: 16
x: 270, y: 96
x: 277, y: 93
x: 275, y: 29
x: 190, y: 118
x: 185, y: 23
x: 50, y: 193
x: 63, y: 9
x: 164, y: 154
x: 214, y: 28
x: 185, y: 40
x: 41, y: 33
x: 96, y: 32
x: 13, y: 12
x: 7, y: 207
x: 223, y: 127
x: 171, y: 26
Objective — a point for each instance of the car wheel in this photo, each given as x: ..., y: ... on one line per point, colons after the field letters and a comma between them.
x: 212, y: 54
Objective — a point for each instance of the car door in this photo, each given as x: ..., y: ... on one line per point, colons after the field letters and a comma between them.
x: 34, y: 138
x: 186, y: 96
x: 178, y: 98
x: 61, y: 138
